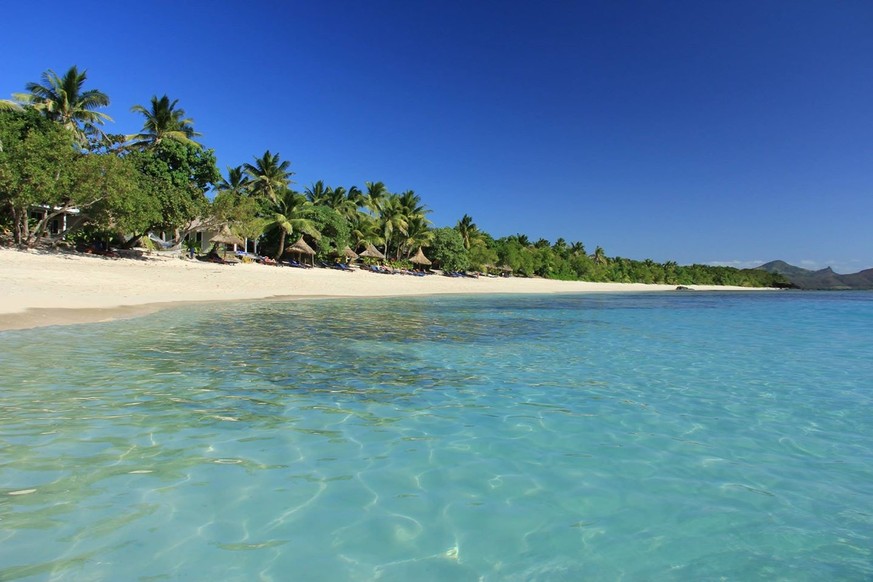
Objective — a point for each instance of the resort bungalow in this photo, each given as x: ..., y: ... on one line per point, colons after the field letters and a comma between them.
x: 58, y: 224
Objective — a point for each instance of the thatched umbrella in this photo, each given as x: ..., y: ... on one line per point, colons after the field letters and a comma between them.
x: 227, y: 237
x: 419, y: 258
x: 372, y: 252
x: 300, y: 247
x: 349, y: 253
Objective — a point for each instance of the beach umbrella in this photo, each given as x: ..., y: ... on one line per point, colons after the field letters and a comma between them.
x: 419, y: 258
x: 349, y: 253
x: 300, y: 247
x: 372, y: 252
x: 227, y: 237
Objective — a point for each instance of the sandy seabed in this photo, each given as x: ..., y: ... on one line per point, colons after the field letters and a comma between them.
x: 39, y: 288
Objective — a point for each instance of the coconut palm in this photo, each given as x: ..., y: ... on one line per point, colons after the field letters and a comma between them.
x: 62, y: 99
x: 364, y: 230
x: 376, y: 194
x: 412, y: 206
x: 577, y: 248
x: 270, y: 176
x: 289, y: 216
x: 600, y: 256
x: 163, y: 120
x: 470, y: 233
x: 237, y: 181
x: 319, y: 193
x: 344, y: 203
x: 413, y: 211
x: 393, y: 220
x: 418, y: 234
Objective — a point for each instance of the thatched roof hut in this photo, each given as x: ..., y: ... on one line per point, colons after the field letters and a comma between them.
x: 349, y: 253
x: 301, y: 248
x: 227, y: 237
x: 372, y: 252
x: 419, y: 258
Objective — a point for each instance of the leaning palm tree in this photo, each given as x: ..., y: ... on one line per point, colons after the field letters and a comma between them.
x: 62, y: 99
x: 163, y: 120
x: 270, y: 176
x: 290, y: 216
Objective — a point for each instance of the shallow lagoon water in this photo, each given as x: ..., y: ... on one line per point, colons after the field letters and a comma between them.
x: 659, y: 437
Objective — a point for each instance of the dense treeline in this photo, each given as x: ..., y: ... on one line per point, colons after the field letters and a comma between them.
x: 56, y: 162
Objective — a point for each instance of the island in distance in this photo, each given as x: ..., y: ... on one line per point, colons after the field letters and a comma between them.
x: 823, y: 280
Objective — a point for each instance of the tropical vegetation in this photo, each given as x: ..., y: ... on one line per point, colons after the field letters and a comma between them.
x: 56, y: 161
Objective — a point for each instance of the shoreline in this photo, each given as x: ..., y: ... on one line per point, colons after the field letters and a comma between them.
x: 39, y: 289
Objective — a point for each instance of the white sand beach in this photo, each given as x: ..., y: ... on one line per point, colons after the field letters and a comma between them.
x: 39, y: 288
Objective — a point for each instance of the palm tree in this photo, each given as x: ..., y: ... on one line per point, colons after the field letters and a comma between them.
x: 344, y: 203
x: 364, y: 230
x: 237, y: 181
x: 577, y: 248
x: 392, y: 220
x: 418, y: 234
x: 270, y: 177
x: 413, y: 212
x: 163, y: 120
x: 376, y: 193
x: 318, y: 193
x: 469, y: 231
x: 411, y: 203
x: 600, y: 256
x: 62, y: 99
x: 289, y: 216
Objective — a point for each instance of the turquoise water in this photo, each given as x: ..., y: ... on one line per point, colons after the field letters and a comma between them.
x: 637, y: 437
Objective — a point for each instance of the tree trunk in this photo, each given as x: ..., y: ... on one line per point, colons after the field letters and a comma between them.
x: 281, y: 244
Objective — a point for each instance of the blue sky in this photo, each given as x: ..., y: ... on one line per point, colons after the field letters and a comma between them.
x: 733, y: 132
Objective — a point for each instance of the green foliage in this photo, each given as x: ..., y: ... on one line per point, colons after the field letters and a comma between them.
x: 177, y: 175
x: 447, y: 250
x: 242, y: 212
x: 35, y: 167
x: 107, y: 190
x: 334, y: 230
x: 289, y: 215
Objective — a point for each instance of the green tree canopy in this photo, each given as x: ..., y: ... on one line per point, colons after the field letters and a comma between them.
x: 447, y: 250
x: 177, y: 174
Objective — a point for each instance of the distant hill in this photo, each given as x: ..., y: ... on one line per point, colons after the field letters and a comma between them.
x: 824, y: 279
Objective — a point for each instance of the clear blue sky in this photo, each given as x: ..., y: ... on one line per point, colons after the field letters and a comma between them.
x: 723, y: 131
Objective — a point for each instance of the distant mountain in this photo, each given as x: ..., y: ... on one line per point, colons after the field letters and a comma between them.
x: 824, y: 279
